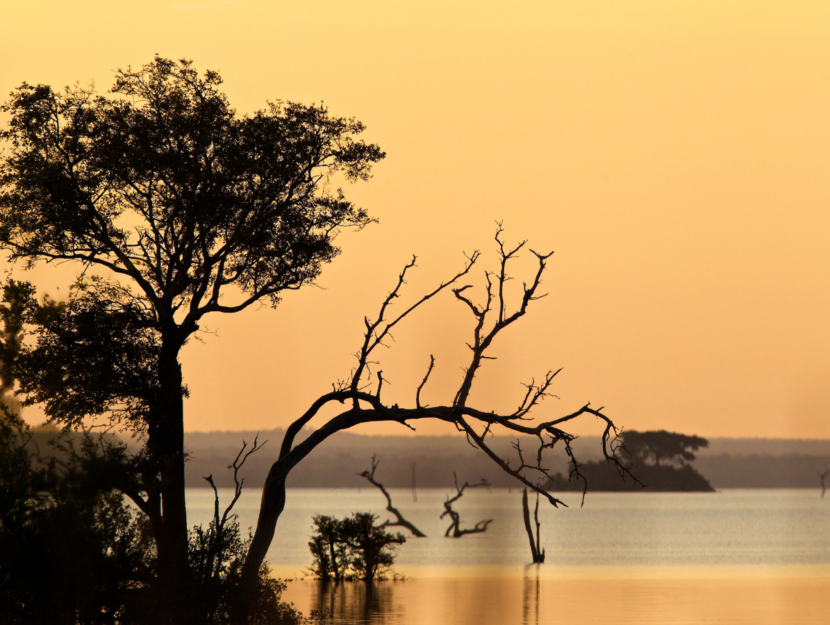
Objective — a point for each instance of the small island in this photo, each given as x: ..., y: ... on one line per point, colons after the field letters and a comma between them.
x: 658, y: 459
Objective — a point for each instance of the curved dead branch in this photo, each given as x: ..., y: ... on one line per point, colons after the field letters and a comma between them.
x: 455, y: 526
x: 401, y: 521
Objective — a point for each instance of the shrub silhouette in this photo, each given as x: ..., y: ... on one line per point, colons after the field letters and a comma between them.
x: 352, y: 548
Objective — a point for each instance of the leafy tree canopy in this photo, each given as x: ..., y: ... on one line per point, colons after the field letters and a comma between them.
x: 162, y: 182
x: 660, y: 445
x: 352, y: 548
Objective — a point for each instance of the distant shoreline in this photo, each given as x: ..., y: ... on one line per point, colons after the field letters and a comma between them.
x: 727, y: 463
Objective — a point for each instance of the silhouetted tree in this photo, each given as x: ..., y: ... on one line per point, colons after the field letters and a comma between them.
x: 661, y: 445
x: 536, y: 551
x: 352, y: 548
x: 189, y: 209
x: 329, y: 553
x: 362, y: 391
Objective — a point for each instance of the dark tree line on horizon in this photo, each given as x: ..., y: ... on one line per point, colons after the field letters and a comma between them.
x: 174, y: 208
x: 643, y: 452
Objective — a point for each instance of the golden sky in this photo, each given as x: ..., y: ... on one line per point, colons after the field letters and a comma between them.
x: 675, y: 155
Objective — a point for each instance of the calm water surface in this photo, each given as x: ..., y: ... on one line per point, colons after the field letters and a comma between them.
x: 737, y: 556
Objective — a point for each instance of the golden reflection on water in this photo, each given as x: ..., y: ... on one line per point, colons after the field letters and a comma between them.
x: 531, y: 585
x: 537, y: 598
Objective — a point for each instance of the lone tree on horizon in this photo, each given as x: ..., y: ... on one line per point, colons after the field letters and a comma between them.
x: 189, y: 209
x: 657, y: 445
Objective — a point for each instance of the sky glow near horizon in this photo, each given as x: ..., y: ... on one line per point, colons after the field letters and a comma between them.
x: 675, y: 156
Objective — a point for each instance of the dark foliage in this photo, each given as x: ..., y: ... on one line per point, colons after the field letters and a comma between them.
x: 216, y: 557
x: 331, y: 557
x: 92, y: 356
x: 352, y: 548
x: 71, y: 550
x: 603, y: 476
x: 657, y: 445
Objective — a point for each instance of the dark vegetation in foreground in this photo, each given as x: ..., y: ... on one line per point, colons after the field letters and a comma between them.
x: 73, y: 552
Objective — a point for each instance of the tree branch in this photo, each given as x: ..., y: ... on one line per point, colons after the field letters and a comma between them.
x: 401, y: 521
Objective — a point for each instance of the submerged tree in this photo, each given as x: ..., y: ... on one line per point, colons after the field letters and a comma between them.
x: 329, y: 553
x: 352, y: 548
x: 536, y: 551
x: 454, y: 530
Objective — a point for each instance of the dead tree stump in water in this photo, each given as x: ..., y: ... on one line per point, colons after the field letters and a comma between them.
x: 535, y: 546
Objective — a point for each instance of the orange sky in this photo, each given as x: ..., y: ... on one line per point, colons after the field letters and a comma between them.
x: 675, y: 155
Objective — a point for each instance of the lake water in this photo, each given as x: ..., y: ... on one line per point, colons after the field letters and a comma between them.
x: 737, y: 556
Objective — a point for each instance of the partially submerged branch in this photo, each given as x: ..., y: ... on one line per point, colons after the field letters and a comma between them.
x: 455, y: 527
x: 401, y: 521
x: 536, y: 550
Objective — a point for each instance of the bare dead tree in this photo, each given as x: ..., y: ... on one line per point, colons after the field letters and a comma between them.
x: 361, y: 392
x: 455, y: 526
x: 213, y: 542
x: 236, y: 465
x: 401, y: 521
x: 822, y: 477
x: 535, y: 545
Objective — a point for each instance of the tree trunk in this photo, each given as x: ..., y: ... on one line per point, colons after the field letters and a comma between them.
x: 174, y: 577
x: 270, y: 509
x: 526, y: 512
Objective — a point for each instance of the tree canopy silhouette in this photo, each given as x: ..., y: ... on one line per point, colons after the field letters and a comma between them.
x: 188, y: 208
x: 660, y: 445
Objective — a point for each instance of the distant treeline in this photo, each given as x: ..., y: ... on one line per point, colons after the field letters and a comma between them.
x: 763, y: 471
x: 728, y: 463
x: 603, y: 477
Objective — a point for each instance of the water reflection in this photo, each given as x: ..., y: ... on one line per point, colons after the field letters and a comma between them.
x: 533, y: 597
x: 530, y: 595
x: 394, y: 602
x: 356, y: 602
